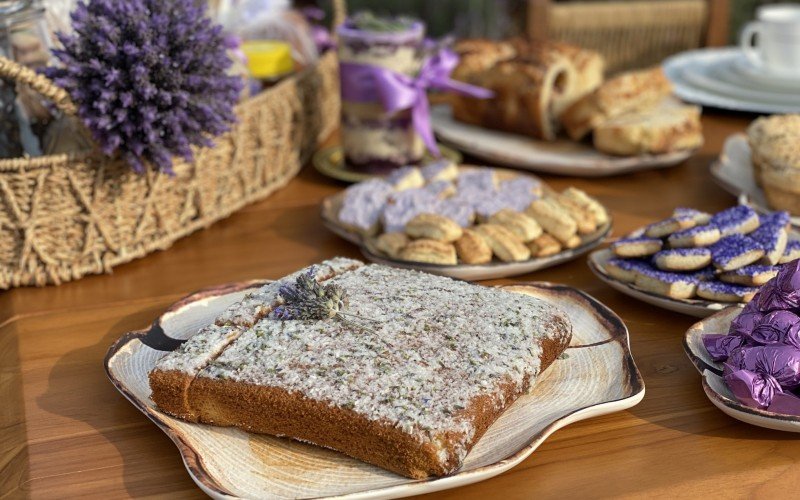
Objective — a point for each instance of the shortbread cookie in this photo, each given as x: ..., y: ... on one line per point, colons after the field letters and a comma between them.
x: 554, y: 219
x: 583, y: 218
x: 668, y: 284
x: 735, y: 251
x: 573, y: 242
x: 391, y: 243
x: 523, y: 226
x: 403, y: 206
x: 472, y: 248
x: 638, y: 246
x: 440, y: 170
x: 792, y: 252
x: 544, y: 246
x: 363, y: 204
x: 775, y: 218
x: 626, y: 269
x: 772, y: 238
x: 682, y: 259
x: 505, y: 245
x: 664, y: 228
x: 429, y: 251
x: 725, y: 292
x: 575, y: 196
x: 705, y: 274
x: 698, y: 236
x: 433, y: 227
x: 754, y: 275
x: 408, y: 177
x: 740, y: 219
x: 700, y: 217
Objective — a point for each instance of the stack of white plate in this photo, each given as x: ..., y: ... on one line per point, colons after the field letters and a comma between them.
x: 725, y: 78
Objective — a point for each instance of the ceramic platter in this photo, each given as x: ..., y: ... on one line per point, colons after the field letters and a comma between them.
x: 562, y: 157
x: 715, y: 387
x: 492, y: 270
x: 723, y: 78
x: 330, y: 162
x: 597, y: 375
x: 699, y: 308
x: 733, y: 171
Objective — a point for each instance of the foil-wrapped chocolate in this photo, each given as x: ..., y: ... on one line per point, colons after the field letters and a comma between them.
x: 777, y: 327
x: 781, y: 362
x: 719, y: 346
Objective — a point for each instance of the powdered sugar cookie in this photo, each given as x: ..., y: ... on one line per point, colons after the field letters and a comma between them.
x: 735, y: 251
x: 773, y: 238
x: 668, y: 284
x: 740, y: 219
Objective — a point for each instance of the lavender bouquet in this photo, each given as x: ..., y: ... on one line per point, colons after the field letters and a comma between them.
x: 148, y: 77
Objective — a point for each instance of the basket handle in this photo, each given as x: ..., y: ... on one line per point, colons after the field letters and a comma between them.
x: 12, y: 70
x: 339, y: 15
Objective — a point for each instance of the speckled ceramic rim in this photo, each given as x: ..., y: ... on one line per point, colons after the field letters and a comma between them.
x: 702, y: 366
x: 155, y: 337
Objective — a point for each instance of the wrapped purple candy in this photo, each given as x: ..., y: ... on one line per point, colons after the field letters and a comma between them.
x: 781, y: 292
x: 777, y: 327
x: 720, y: 346
x: 781, y: 362
x: 744, y: 323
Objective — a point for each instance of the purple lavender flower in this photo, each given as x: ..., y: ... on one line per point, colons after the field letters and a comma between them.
x: 148, y: 77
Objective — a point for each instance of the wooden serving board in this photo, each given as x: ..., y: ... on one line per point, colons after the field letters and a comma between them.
x: 596, y: 375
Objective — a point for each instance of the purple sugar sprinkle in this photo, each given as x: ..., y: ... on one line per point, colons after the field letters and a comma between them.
x: 726, y: 288
x: 403, y: 206
x: 689, y: 212
x: 774, y: 218
x: 768, y: 236
x: 436, y: 188
x: 364, y: 202
x: 631, y: 264
x: 685, y: 252
x: 731, y: 219
x: 460, y: 212
x: 399, y: 174
x: 481, y: 180
x: 705, y: 274
x: 754, y: 270
x: 731, y: 247
x: 693, y: 231
x: 670, y: 277
x: 792, y: 246
x: 431, y: 170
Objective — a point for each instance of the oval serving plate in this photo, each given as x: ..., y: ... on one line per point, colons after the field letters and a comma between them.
x: 733, y: 171
x: 492, y: 270
x: 562, y: 157
x: 597, y: 375
x: 692, y: 307
x: 713, y: 384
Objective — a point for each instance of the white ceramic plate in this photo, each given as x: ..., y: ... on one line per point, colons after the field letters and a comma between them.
x: 699, y: 308
x: 713, y: 384
x: 733, y: 171
x: 701, y: 90
x: 562, y: 157
x: 596, y: 376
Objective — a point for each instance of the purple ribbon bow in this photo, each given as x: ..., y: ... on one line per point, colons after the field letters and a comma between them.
x: 396, y: 91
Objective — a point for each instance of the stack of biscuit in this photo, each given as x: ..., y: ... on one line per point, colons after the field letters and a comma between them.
x: 775, y: 145
x: 723, y: 257
x: 442, y: 214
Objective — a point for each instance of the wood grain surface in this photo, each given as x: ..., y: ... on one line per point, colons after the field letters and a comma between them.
x: 66, y: 432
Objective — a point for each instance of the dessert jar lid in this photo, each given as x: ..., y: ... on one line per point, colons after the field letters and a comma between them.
x: 267, y: 59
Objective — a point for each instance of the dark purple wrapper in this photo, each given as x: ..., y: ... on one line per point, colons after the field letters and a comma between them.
x: 753, y: 389
x: 744, y: 323
x: 777, y: 327
x: 779, y: 361
x: 720, y: 346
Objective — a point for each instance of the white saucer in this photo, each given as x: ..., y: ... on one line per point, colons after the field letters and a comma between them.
x: 693, y: 79
x: 742, y: 67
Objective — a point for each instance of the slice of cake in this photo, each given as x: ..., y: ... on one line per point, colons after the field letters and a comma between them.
x: 407, y: 373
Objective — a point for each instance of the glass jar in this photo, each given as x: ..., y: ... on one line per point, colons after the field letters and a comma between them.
x: 372, y: 138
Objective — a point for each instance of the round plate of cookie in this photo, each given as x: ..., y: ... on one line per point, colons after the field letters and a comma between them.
x: 697, y: 263
x: 466, y: 222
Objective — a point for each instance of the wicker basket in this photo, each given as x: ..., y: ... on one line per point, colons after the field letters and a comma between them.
x: 66, y: 216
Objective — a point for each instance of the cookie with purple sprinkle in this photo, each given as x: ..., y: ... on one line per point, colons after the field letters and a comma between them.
x: 440, y: 170
x: 668, y: 284
x: 725, y: 292
x: 363, y: 204
x: 740, y: 219
x: 403, y: 206
x: 626, y: 269
x: 682, y: 259
x: 483, y: 180
x: 637, y: 246
x: 700, y: 217
x: 441, y: 189
x: 698, y: 236
x: 773, y: 238
x: 735, y: 251
x: 408, y: 177
x: 791, y: 252
x: 705, y: 274
x: 664, y: 228
x: 774, y: 218
x: 755, y: 275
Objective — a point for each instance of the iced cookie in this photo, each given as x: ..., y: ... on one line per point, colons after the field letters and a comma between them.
x: 440, y: 170
x: 639, y: 246
x: 682, y: 259
x: 792, y: 252
x: 441, y: 189
x: 755, y: 275
x: 725, y: 292
x: 406, y: 178
x: 773, y: 238
x: 774, y: 218
x: 458, y: 210
x: 700, y: 217
x: 740, y: 219
x: 735, y: 251
x: 668, y: 284
x: 626, y: 269
x: 403, y: 206
x: 664, y: 228
x: 481, y: 180
x: 698, y: 236
x: 363, y: 204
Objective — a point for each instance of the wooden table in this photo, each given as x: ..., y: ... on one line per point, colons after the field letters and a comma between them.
x: 65, y: 431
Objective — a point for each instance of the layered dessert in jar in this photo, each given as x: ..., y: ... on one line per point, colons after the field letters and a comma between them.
x: 373, y: 138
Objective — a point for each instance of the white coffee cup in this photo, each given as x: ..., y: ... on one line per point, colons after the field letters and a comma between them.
x: 777, y: 46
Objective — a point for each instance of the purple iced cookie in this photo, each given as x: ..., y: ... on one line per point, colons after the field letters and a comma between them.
x: 668, y: 284
x: 440, y: 170
x: 403, y: 206
x: 699, y: 216
x: 752, y: 275
x: 364, y: 203
x: 791, y: 252
x: 682, y: 259
x: 519, y: 192
x: 740, y: 219
x: 480, y: 180
x: 698, y: 236
x: 772, y: 238
x: 774, y: 219
x: 626, y: 269
x: 735, y: 251
x: 440, y: 189
x: 636, y: 246
x: 457, y: 210
x: 719, y: 291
